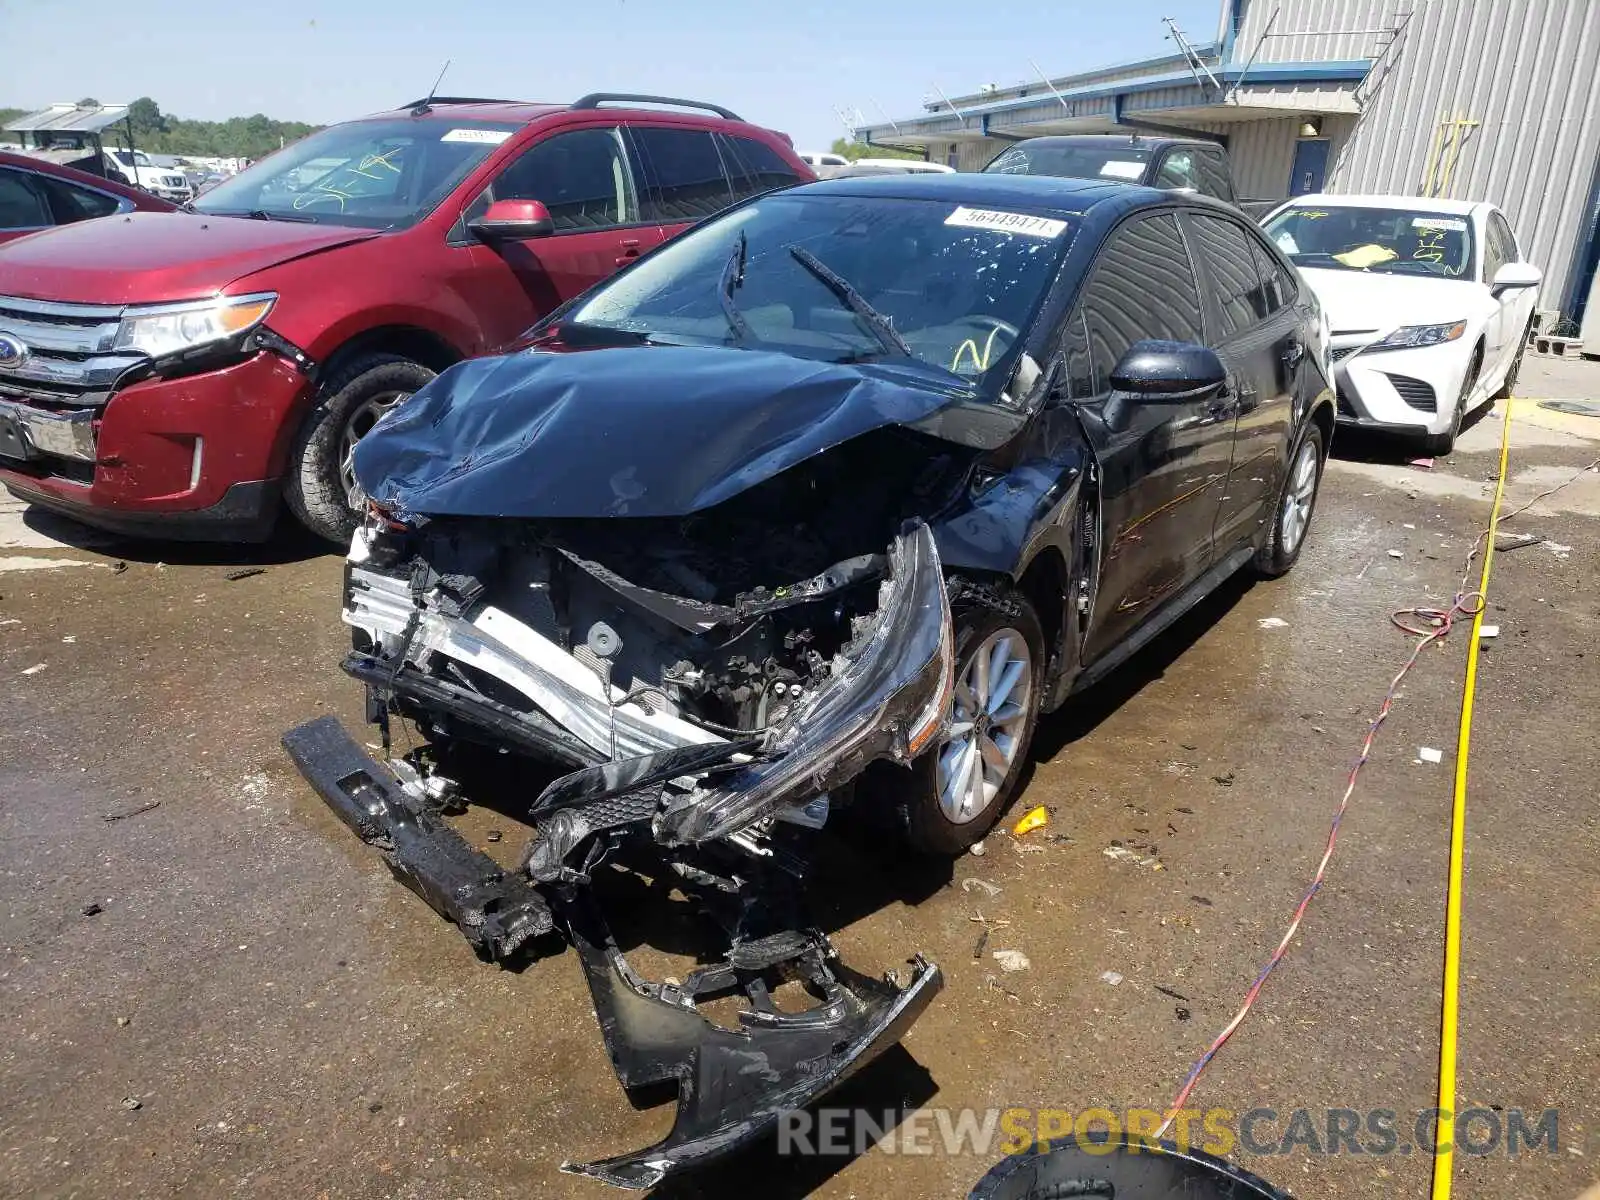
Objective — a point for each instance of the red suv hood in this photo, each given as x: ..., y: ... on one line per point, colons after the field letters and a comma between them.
x: 147, y: 258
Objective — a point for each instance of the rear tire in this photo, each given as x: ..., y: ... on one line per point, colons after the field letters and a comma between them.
x: 941, y: 813
x: 1297, y: 502
x: 320, y: 489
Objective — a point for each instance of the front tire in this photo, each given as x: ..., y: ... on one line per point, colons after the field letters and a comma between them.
x: 1296, y: 503
x: 953, y: 795
x: 1439, y: 444
x: 1515, y: 368
x: 320, y: 489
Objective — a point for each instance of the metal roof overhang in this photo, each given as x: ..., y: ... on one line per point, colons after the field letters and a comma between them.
x: 1261, y: 92
x: 69, y: 118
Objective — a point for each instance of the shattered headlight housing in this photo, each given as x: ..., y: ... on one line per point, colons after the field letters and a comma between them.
x: 889, y: 700
x: 1411, y: 337
x: 160, y: 330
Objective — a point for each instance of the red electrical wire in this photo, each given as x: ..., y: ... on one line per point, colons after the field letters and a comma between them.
x: 1436, y: 625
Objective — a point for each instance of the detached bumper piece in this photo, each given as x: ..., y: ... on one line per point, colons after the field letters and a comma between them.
x: 497, y: 911
x: 734, y: 1084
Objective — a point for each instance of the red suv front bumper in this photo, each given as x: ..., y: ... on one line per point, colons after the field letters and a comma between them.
x: 198, y: 458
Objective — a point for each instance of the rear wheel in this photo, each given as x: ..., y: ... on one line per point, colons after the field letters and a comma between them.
x: 321, y: 488
x: 955, y: 793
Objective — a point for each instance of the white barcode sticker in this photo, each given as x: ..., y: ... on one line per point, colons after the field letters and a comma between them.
x: 1119, y: 169
x: 487, y: 137
x: 1007, y: 222
x: 1454, y: 224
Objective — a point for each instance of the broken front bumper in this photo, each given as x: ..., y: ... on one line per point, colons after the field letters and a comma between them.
x: 703, y: 804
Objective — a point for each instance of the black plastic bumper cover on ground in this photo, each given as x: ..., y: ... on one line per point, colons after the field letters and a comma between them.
x: 732, y: 1084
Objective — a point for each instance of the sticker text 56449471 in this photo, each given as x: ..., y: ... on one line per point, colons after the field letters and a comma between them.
x: 1007, y: 222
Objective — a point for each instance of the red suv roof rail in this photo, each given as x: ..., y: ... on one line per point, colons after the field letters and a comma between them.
x: 596, y: 99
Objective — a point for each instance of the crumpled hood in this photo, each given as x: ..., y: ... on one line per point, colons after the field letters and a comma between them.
x: 625, y: 432
x: 1374, y: 300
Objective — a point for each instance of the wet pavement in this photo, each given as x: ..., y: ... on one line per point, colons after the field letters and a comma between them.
x: 226, y: 994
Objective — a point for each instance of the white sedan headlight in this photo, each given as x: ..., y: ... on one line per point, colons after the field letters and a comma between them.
x: 159, y: 330
x: 1409, y: 337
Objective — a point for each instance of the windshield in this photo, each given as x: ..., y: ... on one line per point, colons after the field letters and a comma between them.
x: 1393, y: 241
x: 1070, y: 160
x: 372, y: 174
x: 132, y: 158
x: 843, y: 278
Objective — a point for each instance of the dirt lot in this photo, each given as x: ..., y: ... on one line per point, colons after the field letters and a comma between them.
x: 289, y: 1021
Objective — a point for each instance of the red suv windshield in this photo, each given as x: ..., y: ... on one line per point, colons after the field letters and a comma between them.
x: 383, y: 174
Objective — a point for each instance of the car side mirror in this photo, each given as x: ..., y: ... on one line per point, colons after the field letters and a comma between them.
x: 512, y: 220
x: 1168, y: 371
x: 1515, y: 275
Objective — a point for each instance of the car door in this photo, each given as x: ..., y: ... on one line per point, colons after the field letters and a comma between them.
x: 583, y: 178
x: 1262, y: 348
x: 23, y: 207
x: 1508, y: 323
x: 1163, y: 464
x: 683, y: 178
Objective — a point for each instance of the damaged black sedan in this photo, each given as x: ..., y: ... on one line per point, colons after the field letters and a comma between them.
x: 822, y: 503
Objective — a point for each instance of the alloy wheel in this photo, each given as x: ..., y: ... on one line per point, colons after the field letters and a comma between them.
x: 360, y: 422
x: 1299, y: 496
x: 994, y: 692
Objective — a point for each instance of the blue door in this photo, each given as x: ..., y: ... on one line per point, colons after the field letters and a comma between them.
x: 1310, y: 166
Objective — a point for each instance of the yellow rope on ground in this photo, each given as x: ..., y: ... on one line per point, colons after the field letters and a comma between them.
x: 1444, y: 1160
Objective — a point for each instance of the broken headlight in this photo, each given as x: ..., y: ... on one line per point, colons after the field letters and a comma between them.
x: 889, y: 700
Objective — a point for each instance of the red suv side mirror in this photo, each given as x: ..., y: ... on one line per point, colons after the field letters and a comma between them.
x: 509, y: 220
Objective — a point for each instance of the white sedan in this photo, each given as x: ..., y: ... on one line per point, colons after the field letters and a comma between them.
x: 1429, y: 303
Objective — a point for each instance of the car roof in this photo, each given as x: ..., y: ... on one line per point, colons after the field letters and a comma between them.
x: 1426, y: 204
x: 516, y: 112
x: 1065, y: 196
x: 1137, y: 141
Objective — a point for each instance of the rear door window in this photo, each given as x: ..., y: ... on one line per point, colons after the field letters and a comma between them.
x: 1279, y: 286
x: 22, y: 205
x: 1224, y: 249
x: 582, y: 177
x: 683, y: 174
x: 754, y: 167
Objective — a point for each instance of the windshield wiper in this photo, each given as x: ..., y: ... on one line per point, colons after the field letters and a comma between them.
x: 260, y: 214
x: 733, y: 277
x: 853, y: 300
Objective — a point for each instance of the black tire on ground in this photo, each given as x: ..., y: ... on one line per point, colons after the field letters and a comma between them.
x: 978, y: 613
x: 1279, y: 553
x: 1442, y: 443
x: 313, y: 487
x: 1515, y: 368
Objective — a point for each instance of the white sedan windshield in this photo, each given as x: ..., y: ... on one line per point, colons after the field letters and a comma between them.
x: 1389, y: 240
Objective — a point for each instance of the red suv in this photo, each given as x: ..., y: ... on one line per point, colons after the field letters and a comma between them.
x: 183, y: 374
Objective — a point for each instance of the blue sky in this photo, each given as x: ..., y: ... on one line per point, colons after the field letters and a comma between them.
x: 785, y: 65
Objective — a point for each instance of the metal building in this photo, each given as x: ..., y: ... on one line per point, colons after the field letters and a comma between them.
x: 1483, y: 99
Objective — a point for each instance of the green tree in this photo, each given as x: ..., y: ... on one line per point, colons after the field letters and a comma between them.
x: 145, y: 116
x: 88, y: 102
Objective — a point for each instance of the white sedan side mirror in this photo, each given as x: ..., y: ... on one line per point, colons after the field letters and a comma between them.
x: 1515, y: 275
